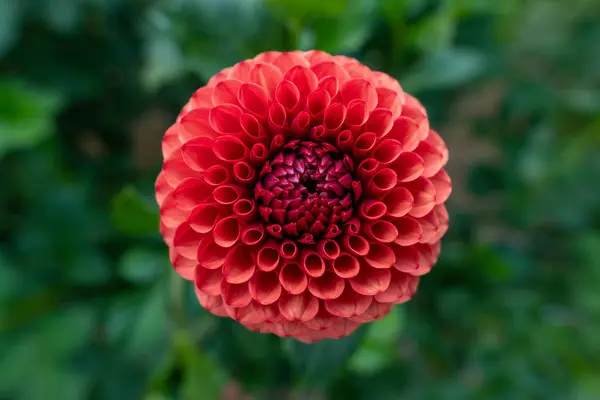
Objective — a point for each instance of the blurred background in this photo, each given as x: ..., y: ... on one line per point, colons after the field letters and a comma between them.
x: 90, y: 307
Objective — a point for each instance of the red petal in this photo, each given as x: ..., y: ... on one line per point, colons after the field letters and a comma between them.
x: 286, y: 61
x: 202, y: 98
x: 328, y: 248
x: 198, y: 154
x: 264, y: 287
x: 203, y: 218
x: 195, y: 124
x: 239, y: 265
x: 443, y: 186
x: 345, y: 140
x: 364, y: 144
x: 243, y: 172
x: 217, y: 175
x: 380, y: 122
x: 437, y: 141
x: 372, y: 209
x: 189, y: 193
x: 355, y: 244
x: 266, y: 75
x: 305, y: 80
x: 387, y: 151
x: 423, y: 192
x: 287, y: 94
x: 253, y: 98
x: 230, y: 149
x: 288, y: 249
x: 213, y: 304
x: 406, y: 131
x: 357, y: 113
x: 253, y: 234
x: 408, y: 166
x: 226, y: 92
x: 241, y: 70
x: 346, y: 266
x: 367, y: 169
x: 170, y: 142
x: 402, y: 287
x: 383, y: 181
x: 380, y: 230
x: 359, y: 89
x: 268, y: 257
x: 185, y: 267
x: 225, y: 119
x: 252, y: 128
x: 210, y: 255
x: 334, y: 116
x: 371, y: 281
x: 390, y: 99
x: 330, y: 84
x: 409, y: 231
x: 208, y: 280
x: 235, y: 295
x: 375, y: 311
x: 407, y: 258
x: 348, y: 304
x: 302, y: 307
x: 317, y: 102
x: 313, y: 264
x: 186, y: 240
x: 433, y: 158
x: 227, y: 231
x: 244, y: 209
x: 292, y: 278
x: 327, y: 286
x: 380, y: 256
x: 398, y: 202
x: 330, y: 68
x: 227, y: 194
x: 276, y: 118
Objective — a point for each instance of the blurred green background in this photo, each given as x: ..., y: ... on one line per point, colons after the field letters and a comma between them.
x: 90, y: 308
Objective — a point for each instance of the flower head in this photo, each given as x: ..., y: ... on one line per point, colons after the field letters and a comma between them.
x: 303, y: 194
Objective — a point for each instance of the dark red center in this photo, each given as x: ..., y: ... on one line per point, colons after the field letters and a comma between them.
x: 306, y: 191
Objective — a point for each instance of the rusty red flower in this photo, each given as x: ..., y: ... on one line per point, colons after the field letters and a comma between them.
x: 303, y: 194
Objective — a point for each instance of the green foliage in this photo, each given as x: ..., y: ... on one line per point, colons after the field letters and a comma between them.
x: 89, y: 305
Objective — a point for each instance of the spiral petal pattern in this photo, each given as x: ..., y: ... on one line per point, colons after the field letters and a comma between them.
x: 303, y: 194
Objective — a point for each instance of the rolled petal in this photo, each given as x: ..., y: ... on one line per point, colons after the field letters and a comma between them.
x: 300, y: 307
x: 327, y: 286
x: 292, y: 278
x: 348, y: 304
x: 227, y: 231
x: 239, y: 265
x: 346, y: 266
x: 264, y: 287
x: 371, y: 281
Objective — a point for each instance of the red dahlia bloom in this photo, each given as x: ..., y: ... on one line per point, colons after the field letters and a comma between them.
x: 303, y: 194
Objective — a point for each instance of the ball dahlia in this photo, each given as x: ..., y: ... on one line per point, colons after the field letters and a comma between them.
x: 303, y: 194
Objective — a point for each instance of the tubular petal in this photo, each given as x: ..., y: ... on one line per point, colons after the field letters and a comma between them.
x: 292, y: 278
x: 239, y: 265
x: 346, y: 266
x: 313, y: 264
x: 327, y: 286
x: 264, y: 287
x: 380, y: 256
x: 348, y: 304
x: 235, y: 295
x: 371, y: 281
x: 398, y: 202
x: 300, y: 307
x: 208, y: 280
x: 409, y: 231
x: 227, y: 231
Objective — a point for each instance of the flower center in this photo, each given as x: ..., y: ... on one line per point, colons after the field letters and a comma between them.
x: 306, y: 191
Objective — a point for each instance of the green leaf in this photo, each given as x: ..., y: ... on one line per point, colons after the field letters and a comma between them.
x: 203, y: 378
x: 27, y: 115
x: 132, y: 215
x: 298, y: 9
x: 10, y: 22
x: 315, y: 364
x: 141, y: 265
x: 445, y: 70
x: 435, y: 33
x: 379, y: 346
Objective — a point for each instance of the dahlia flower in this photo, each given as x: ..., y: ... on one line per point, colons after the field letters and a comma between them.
x: 303, y: 194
